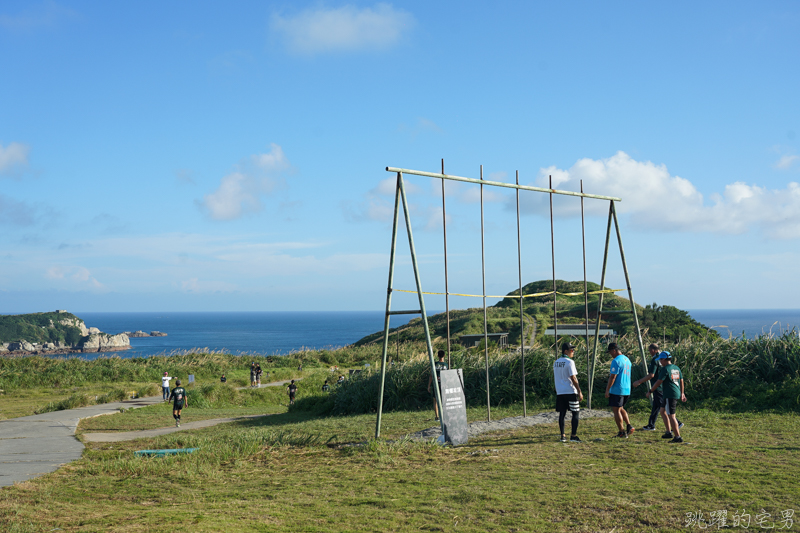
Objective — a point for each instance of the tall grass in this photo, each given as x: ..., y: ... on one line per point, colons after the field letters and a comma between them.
x: 738, y: 373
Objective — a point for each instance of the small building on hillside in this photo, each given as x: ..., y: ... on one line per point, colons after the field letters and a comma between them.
x: 470, y: 341
x: 579, y: 330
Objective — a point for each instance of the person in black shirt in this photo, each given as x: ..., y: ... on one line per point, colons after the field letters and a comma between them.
x: 439, y: 365
x: 179, y: 401
x: 292, y: 389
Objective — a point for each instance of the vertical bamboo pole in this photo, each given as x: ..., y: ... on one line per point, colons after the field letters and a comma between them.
x: 553, y: 257
x: 421, y: 300
x: 485, y: 317
x: 389, y: 305
x: 585, y: 284
x: 600, y: 304
x: 446, y: 286
x: 521, y: 312
x: 630, y: 292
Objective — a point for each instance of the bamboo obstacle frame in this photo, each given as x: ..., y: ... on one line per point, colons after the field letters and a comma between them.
x: 591, y: 359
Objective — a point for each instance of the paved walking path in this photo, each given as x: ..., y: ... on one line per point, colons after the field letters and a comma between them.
x: 143, y: 433
x: 31, y: 446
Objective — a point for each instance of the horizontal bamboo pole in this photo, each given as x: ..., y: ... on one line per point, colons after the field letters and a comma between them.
x: 501, y: 184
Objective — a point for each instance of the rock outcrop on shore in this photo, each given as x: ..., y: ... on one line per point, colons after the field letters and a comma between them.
x: 141, y: 333
x: 90, y: 339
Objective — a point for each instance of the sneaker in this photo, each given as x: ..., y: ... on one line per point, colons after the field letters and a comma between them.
x: 563, y: 438
x: 677, y: 439
x: 630, y: 430
x: 680, y: 425
x: 622, y: 435
x: 575, y: 438
x: 648, y: 427
x: 177, y: 424
x: 667, y: 435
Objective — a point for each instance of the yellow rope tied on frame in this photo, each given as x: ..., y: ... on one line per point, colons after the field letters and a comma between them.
x: 605, y: 291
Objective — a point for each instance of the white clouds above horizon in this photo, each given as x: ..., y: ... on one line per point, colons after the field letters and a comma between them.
x: 342, y: 29
x: 13, y: 158
x: 657, y: 200
x: 241, y: 192
x: 787, y: 161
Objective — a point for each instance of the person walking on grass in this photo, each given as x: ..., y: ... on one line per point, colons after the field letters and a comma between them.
x: 672, y: 379
x: 618, y: 389
x: 439, y: 366
x: 179, y: 401
x: 568, y: 391
x: 253, y: 374
x: 658, y: 398
x: 165, y: 386
x: 292, y: 389
x: 258, y: 376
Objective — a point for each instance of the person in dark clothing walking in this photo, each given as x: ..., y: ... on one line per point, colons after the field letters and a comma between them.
x: 179, y: 401
x: 653, y: 369
x: 439, y: 365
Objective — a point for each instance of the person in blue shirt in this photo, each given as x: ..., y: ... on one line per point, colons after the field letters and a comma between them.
x: 618, y: 389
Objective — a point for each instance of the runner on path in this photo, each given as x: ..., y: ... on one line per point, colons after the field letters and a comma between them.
x: 179, y: 400
x: 292, y: 389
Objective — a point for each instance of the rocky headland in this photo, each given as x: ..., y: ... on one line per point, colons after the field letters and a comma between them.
x: 54, y: 333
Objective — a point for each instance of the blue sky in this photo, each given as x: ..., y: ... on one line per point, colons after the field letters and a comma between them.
x: 199, y: 156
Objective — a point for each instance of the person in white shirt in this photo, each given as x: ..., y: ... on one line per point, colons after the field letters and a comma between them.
x: 568, y: 391
x: 165, y: 386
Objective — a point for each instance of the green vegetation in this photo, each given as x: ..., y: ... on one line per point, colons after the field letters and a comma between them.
x: 41, y: 328
x: 737, y: 374
x: 668, y: 323
x: 284, y: 473
x: 300, y: 469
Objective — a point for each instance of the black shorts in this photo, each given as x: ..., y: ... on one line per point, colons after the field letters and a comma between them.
x: 177, y: 406
x: 670, y: 405
x: 567, y: 402
x: 291, y: 395
x: 615, y: 400
x: 658, y: 399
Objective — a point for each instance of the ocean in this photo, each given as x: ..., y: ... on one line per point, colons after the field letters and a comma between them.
x: 268, y: 333
x: 748, y: 322
x: 280, y: 333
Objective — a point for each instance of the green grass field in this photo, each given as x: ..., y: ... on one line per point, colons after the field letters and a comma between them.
x: 297, y: 470
x: 292, y: 472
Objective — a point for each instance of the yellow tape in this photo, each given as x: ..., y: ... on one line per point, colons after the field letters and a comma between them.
x: 606, y: 291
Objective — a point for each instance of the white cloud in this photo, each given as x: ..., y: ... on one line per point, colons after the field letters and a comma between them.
x: 241, y: 191
x: 13, y: 157
x: 787, y: 161
x: 655, y: 199
x: 342, y: 29
x: 76, y: 276
x: 378, y: 203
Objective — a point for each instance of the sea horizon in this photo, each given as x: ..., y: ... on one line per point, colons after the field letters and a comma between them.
x: 284, y: 332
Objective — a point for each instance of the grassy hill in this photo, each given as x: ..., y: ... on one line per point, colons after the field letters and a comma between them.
x: 664, y: 322
x: 55, y: 327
